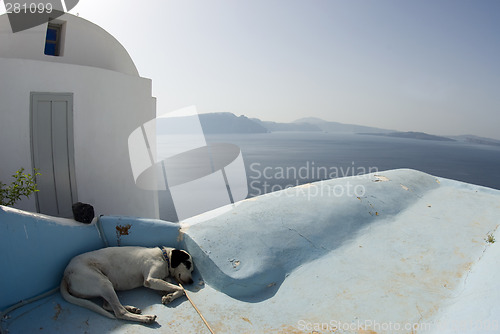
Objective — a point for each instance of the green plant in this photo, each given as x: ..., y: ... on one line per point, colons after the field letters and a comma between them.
x: 23, y: 185
x: 490, y: 238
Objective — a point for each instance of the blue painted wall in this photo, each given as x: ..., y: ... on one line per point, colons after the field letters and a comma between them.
x: 131, y: 231
x: 35, y: 249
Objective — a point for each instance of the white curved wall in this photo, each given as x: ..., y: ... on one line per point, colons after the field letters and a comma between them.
x: 84, y: 44
x: 110, y: 100
x: 108, y: 106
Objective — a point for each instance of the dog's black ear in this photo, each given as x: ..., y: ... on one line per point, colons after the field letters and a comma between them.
x: 178, y: 257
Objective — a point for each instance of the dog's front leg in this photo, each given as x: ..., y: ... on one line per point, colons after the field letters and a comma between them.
x: 169, y: 297
x: 159, y: 284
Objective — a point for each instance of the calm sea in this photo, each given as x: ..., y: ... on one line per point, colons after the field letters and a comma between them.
x: 275, y: 161
x: 324, y: 155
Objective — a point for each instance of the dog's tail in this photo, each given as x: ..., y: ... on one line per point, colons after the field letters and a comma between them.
x: 82, y: 302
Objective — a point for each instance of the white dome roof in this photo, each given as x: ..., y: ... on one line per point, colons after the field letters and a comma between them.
x: 83, y: 43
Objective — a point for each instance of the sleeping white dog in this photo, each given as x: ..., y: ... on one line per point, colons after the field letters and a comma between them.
x: 101, y: 272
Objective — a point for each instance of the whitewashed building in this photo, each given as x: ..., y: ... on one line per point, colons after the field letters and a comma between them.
x: 70, y: 95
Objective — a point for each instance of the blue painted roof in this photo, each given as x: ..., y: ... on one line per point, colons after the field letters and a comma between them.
x: 310, y: 258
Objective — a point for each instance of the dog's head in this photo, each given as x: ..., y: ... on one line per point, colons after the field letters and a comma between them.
x: 181, y: 266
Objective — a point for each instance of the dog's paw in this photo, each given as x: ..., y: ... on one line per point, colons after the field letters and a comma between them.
x: 149, y: 319
x: 167, y: 298
x: 133, y: 309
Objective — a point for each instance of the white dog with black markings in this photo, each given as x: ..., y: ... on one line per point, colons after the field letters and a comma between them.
x: 101, y: 272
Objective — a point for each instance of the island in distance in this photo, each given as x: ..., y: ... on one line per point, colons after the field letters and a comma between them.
x: 411, y: 135
x: 227, y: 123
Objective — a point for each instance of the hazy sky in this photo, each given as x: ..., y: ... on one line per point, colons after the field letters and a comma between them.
x: 410, y: 65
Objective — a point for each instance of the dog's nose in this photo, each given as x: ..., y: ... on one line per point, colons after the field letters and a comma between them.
x: 190, y: 281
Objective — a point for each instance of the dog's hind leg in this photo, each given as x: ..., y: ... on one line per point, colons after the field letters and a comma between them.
x: 133, y: 309
x: 121, y: 312
x: 82, y: 302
